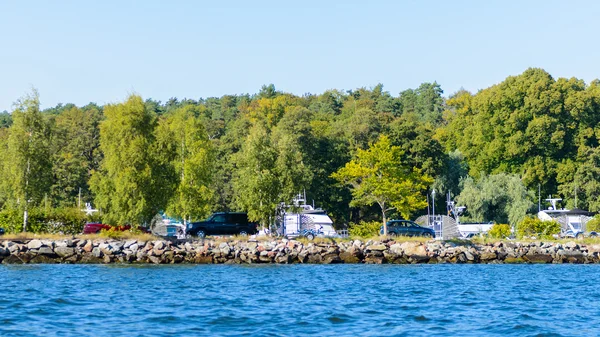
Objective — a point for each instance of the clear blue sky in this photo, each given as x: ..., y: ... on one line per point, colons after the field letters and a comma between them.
x: 100, y: 51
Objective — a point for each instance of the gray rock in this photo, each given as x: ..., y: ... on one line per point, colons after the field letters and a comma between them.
x: 159, y: 245
x: 413, y: 249
x: 128, y: 243
x: 571, y: 245
x: 64, y: 251
x: 62, y: 243
x: 396, y: 248
x: 45, y: 250
x: 105, y: 248
x: 34, y: 244
x: 379, y: 247
x: 14, y: 248
x: 97, y: 252
x: 469, y: 256
x: 49, y: 243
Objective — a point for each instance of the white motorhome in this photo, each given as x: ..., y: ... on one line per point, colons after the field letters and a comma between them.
x: 572, y: 221
x: 301, y: 219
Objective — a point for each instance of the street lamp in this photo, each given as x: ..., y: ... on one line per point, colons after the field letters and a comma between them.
x: 433, y: 203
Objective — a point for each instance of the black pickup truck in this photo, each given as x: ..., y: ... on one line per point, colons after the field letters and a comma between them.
x: 223, y: 223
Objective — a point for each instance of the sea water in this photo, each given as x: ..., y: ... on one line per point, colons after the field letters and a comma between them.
x: 296, y: 300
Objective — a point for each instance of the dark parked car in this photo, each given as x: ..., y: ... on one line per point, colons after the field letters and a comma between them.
x: 223, y: 223
x: 407, y: 228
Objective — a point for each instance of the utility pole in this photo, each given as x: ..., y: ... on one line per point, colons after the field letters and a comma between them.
x: 433, y: 204
x: 539, y: 198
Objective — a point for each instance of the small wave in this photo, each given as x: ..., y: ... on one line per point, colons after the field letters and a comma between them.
x: 338, y: 319
x: 421, y: 318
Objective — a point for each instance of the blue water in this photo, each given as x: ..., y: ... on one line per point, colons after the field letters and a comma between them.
x: 295, y: 300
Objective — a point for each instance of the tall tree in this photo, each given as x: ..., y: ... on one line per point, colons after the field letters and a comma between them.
x: 76, y: 153
x: 500, y: 197
x: 29, y: 152
x: 183, y: 142
x: 255, y: 180
x: 126, y: 187
x: 377, y: 175
x: 293, y: 141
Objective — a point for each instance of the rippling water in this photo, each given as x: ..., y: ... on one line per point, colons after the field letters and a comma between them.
x: 293, y: 300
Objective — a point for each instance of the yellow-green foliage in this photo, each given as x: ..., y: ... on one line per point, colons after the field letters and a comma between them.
x: 53, y: 221
x: 379, y: 176
x: 536, y: 227
x: 499, y: 231
x: 364, y: 229
x: 593, y: 225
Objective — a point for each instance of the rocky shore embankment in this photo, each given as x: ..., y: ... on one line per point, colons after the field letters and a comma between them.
x: 283, y: 251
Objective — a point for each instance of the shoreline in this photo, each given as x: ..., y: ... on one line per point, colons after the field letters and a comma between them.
x: 282, y: 251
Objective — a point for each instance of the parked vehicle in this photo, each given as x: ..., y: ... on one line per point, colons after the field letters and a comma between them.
x: 223, y: 223
x: 93, y: 228
x: 572, y: 221
x: 407, y: 228
x: 168, y: 227
x: 302, y: 220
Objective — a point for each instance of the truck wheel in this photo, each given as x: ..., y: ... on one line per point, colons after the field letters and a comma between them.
x: 579, y: 236
x: 201, y: 234
x: 593, y: 235
x: 243, y: 233
x: 310, y: 236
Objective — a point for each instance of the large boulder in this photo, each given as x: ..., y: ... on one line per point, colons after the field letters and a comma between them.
x: 413, y: 249
x: 34, y: 244
x: 64, y: 251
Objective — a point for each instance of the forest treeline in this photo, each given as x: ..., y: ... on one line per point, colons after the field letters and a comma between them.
x: 492, y: 150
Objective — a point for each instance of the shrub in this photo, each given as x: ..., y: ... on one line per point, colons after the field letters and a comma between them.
x: 536, y: 227
x: 364, y: 229
x: 12, y: 220
x: 593, y: 225
x: 499, y: 231
x: 55, y: 220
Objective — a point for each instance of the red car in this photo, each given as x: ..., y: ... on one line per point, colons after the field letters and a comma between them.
x: 93, y: 228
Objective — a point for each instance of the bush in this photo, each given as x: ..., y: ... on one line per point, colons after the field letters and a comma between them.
x: 593, y: 225
x: 55, y: 220
x: 364, y: 229
x: 499, y: 231
x: 12, y: 220
x: 538, y: 228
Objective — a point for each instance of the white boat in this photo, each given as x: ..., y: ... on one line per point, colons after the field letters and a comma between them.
x: 168, y: 227
x: 572, y: 221
x: 301, y: 219
x: 466, y: 229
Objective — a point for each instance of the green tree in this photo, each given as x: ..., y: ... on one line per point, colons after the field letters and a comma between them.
x: 255, y: 179
x: 126, y: 187
x: 182, y: 141
x: 426, y: 102
x: 378, y: 176
x: 581, y: 181
x: 501, y: 198
x: 5, y: 119
x: 30, y: 169
x: 293, y: 141
x: 76, y: 153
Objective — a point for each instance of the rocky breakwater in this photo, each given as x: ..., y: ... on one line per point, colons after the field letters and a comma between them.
x: 291, y: 251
